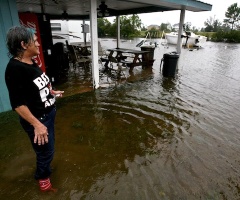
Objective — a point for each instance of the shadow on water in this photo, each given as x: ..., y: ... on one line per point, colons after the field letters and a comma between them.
x: 142, y: 137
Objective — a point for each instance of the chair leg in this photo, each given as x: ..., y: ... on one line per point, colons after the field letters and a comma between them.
x: 100, y: 62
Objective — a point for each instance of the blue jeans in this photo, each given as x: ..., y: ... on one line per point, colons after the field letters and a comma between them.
x: 44, y: 153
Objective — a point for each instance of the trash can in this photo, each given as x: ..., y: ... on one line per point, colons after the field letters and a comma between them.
x: 170, y: 61
x: 149, y: 56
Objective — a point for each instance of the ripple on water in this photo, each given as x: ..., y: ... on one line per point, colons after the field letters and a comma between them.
x: 153, y: 137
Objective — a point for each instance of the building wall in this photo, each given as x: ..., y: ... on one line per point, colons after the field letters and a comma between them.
x: 8, y: 18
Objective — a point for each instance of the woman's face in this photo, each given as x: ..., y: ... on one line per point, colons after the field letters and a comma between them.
x: 33, y: 47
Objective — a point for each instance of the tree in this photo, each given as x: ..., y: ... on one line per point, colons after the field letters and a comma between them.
x: 126, y: 26
x: 130, y: 26
x: 209, y: 24
x: 143, y: 28
x: 136, y: 22
x: 233, y: 15
x: 187, y: 26
x: 217, y: 25
x: 113, y: 29
x: 165, y: 27
x: 212, y: 25
x: 103, y: 27
x: 194, y: 29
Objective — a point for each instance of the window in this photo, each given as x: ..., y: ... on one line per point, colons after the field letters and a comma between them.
x: 56, y: 27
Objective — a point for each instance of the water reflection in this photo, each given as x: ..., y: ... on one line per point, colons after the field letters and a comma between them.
x: 127, y: 126
x: 169, y: 84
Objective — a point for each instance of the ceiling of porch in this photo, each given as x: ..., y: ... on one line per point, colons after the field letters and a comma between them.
x: 79, y: 9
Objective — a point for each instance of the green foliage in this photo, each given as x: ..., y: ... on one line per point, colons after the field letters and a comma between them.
x: 232, y: 15
x: 218, y: 36
x: 130, y: 27
x: 125, y: 26
x: 154, y: 33
x: 187, y: 26
x: 230, y: 36
x: 194, y: 29
x: 165, y: 27
x: 113, y: 29
x: 207, y: 34
x: 231, y: 22
x: 142, y: 33
x: 103, y: 27
x: 136, y: 22
x: 212, y: 25
x: 222, y: 36
x: 143, y: 28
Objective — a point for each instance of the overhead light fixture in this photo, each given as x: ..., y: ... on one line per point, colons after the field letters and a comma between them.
x: 64, y: 15
x: 103, y: 10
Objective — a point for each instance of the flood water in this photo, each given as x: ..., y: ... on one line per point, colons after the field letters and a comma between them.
x: 141, y: 136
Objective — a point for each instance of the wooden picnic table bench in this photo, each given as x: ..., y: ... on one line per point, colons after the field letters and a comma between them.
x: 129, y: 57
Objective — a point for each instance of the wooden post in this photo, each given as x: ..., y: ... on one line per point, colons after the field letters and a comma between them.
x: 118, y: 31
x: 94, y: 43
x: 180, y: 30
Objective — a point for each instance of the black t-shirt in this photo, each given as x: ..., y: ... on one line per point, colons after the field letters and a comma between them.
x: 28, y: 85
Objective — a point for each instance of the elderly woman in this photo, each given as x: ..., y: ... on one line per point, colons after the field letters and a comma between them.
x: 32, y: 97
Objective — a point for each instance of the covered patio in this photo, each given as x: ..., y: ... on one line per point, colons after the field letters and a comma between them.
x: 83, y: 9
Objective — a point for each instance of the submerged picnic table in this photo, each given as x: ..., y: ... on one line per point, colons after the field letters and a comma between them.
x: 129, y: 57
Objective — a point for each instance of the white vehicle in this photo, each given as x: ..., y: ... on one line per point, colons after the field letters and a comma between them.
x: 71, y: 31
x: 193, y: 39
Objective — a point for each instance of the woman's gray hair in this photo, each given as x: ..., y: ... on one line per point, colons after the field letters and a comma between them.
x: 15, y: 36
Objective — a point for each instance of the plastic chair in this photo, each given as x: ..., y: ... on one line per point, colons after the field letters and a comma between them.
x: 77, y: 58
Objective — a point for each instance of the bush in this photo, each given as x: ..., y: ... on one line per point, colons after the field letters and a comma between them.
x: 233, y: 36
x: 230, y: 36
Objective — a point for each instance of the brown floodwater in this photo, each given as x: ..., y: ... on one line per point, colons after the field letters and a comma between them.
x: 141, y: 135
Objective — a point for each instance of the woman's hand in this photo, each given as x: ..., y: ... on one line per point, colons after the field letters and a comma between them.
x: 40, y: 131
x: 57, y: 93
x: 41, y: 134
